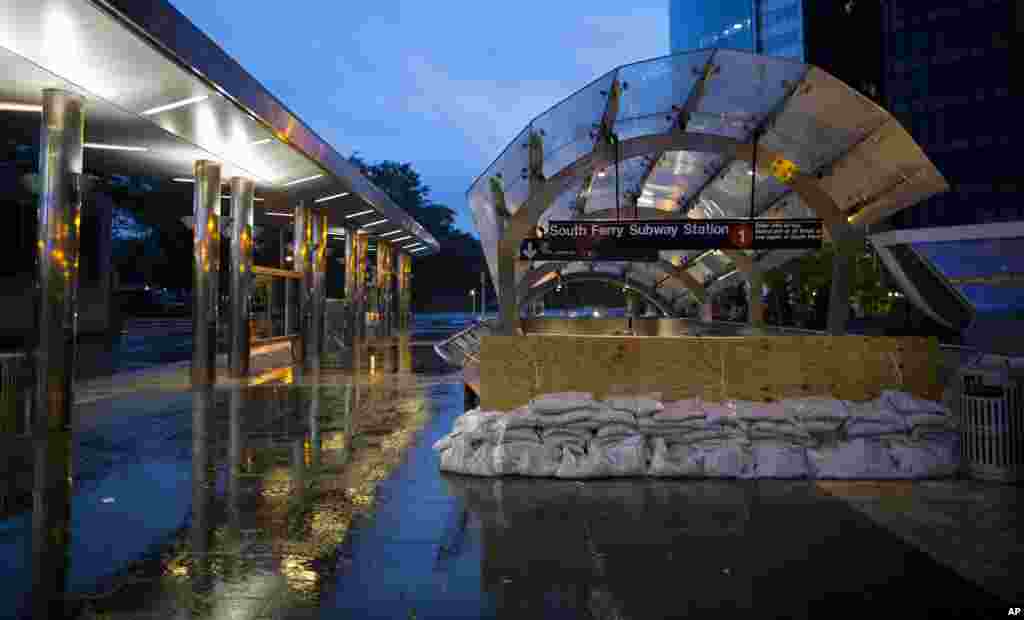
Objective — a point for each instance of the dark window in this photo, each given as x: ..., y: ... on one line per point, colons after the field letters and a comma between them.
x: 780, y: 15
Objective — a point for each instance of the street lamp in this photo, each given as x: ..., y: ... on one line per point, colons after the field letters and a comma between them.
x: 472, y: 296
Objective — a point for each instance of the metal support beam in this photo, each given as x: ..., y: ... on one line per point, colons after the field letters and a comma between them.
x: 242, y: 193
x: 404, y: 290
x: 59, y: 212
x: 302, y: 242
x: 206, y: 271
x: 384, y: 267
x: 315, y: 283
x: 356, y: 245
x: 844, y: 260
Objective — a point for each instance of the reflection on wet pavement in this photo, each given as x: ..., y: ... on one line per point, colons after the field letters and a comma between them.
x: 317, y: 495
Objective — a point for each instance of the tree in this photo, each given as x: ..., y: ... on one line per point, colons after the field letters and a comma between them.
x: 441, y: 281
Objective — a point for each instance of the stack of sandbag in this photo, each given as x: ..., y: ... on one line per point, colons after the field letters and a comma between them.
x: 850, y: 436
x: 469, y: 448
x: 691, y: 438
x: 777, y: 442
x: 585, y: 437
x: 933, y: 446
x: 520, y: 449
x: 618, y: 443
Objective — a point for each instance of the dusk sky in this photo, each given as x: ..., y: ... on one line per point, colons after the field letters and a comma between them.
x: 441, y: 85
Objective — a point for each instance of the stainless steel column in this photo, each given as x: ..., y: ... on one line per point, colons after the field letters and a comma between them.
x: 206, y: 271
x: 241, y: 275
x: 755, y: 304
x: 60, y: 205
x: 360, y: 245
x: 301, y: 256
x: 383, y: 287
x: 316, y: 276
x: 289, y: 311
x: 350, y: 284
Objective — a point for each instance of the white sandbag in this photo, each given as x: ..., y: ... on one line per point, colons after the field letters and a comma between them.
x: 626, y: 457
x: 581, y: 464
x: 703, y: 435
x: 680, y: 425
x: 584, y: 425
x: 816, y: 407
x: 613, y: 416
x: 565, y: 418
x: 925, y: 459
x: 679, y: 462
x: 726, y: 459
x: 908, y: 403
x: 719, y: 411
x: 641, y: 404
x: 776, y: 459
x: 862, y: 427
x: 561, y: 402
x: 756, y: 411
x: 468, y: 457
x: 856, y: 458
x: 526, y: 458
x: 443, y: 443
x: 611, y: 430
x: 506, y: 435
x: 915, y: 420
x: 682, y: 410
x: 877, y: 409
x: 560, y: 432
x: 818, y: 426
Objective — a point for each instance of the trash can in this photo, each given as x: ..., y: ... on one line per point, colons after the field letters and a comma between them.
x: 991, y: 414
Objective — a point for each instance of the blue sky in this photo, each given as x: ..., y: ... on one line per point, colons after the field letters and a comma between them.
x: 443, y: 85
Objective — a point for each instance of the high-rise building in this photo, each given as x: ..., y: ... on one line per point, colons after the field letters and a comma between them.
x: 841, y: 36
x: 947, y: 80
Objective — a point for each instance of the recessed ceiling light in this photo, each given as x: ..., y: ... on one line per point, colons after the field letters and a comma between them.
x: 113, y: 147
x: 402, y: 238
x: 263, y: 141
x: 374, y: 223
x: 414, y: 245
x: 228, y: 197
x: 10, y: 106
x: 183, y: 180
x: 279, y: 214
x: 303, y: 180
x: 418, y: 250
x: 388, y: 234
x: 176, y: 104
x: 331, y: 197
x: 352, y: 215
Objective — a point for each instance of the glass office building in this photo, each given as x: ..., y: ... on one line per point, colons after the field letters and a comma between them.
x: 774, y: 27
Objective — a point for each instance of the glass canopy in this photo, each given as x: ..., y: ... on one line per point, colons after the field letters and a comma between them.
x: 865, y: 160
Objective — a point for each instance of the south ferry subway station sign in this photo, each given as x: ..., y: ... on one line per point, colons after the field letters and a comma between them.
x: 607, y: 240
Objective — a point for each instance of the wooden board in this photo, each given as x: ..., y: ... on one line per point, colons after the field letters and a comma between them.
x: 762, y: 368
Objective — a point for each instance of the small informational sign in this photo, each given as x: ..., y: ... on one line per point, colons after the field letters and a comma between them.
x: 608, y: 237
x: 544, y: 249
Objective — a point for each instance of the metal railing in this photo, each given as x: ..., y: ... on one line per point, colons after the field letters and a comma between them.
x: 463, y: 348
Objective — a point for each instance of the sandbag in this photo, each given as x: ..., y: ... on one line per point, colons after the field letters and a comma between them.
x: 640, y: 405
x: 580, y: 464
x: 815, y: 407
x: 506, y: 435
x: 856, y: 458
x: 931, y: 419
x: 626, y: 457
x: 611, y: 430
x: 680, y: 425
x: 526, y: 458
x: 681, y: 462
x: 726, y: 459
x: 925, y: 459
x: 443, y: 443
x: 755, y: 411
x: 776, y: 459
x: 905, y: 402
x: 468, y: 457
x: 561, y: 402
x: 564, y: 418
x: 862, y: 427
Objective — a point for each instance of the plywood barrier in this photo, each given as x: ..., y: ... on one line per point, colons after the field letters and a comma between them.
x: 514, y: 369
x: 582, y: 325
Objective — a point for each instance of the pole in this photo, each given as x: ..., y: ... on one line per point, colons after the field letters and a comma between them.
x: 483, y: 294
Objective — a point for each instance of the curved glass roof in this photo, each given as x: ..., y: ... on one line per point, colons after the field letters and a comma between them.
x: 869, y: 165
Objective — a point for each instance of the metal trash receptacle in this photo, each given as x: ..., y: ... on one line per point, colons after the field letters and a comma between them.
x: 991, y: 415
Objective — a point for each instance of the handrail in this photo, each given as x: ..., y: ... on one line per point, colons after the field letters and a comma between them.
x: 260, y: 270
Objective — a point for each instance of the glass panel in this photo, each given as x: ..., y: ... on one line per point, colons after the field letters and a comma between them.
x: 975, y: 257
x: 573, y: 119
x: 748, y: 86
x: 996, y: 301
x: 935, y: 293
x: 653, y: 87
x: 731, y: 193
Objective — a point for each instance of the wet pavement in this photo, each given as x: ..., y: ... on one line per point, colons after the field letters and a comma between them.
x: 317, y: 495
